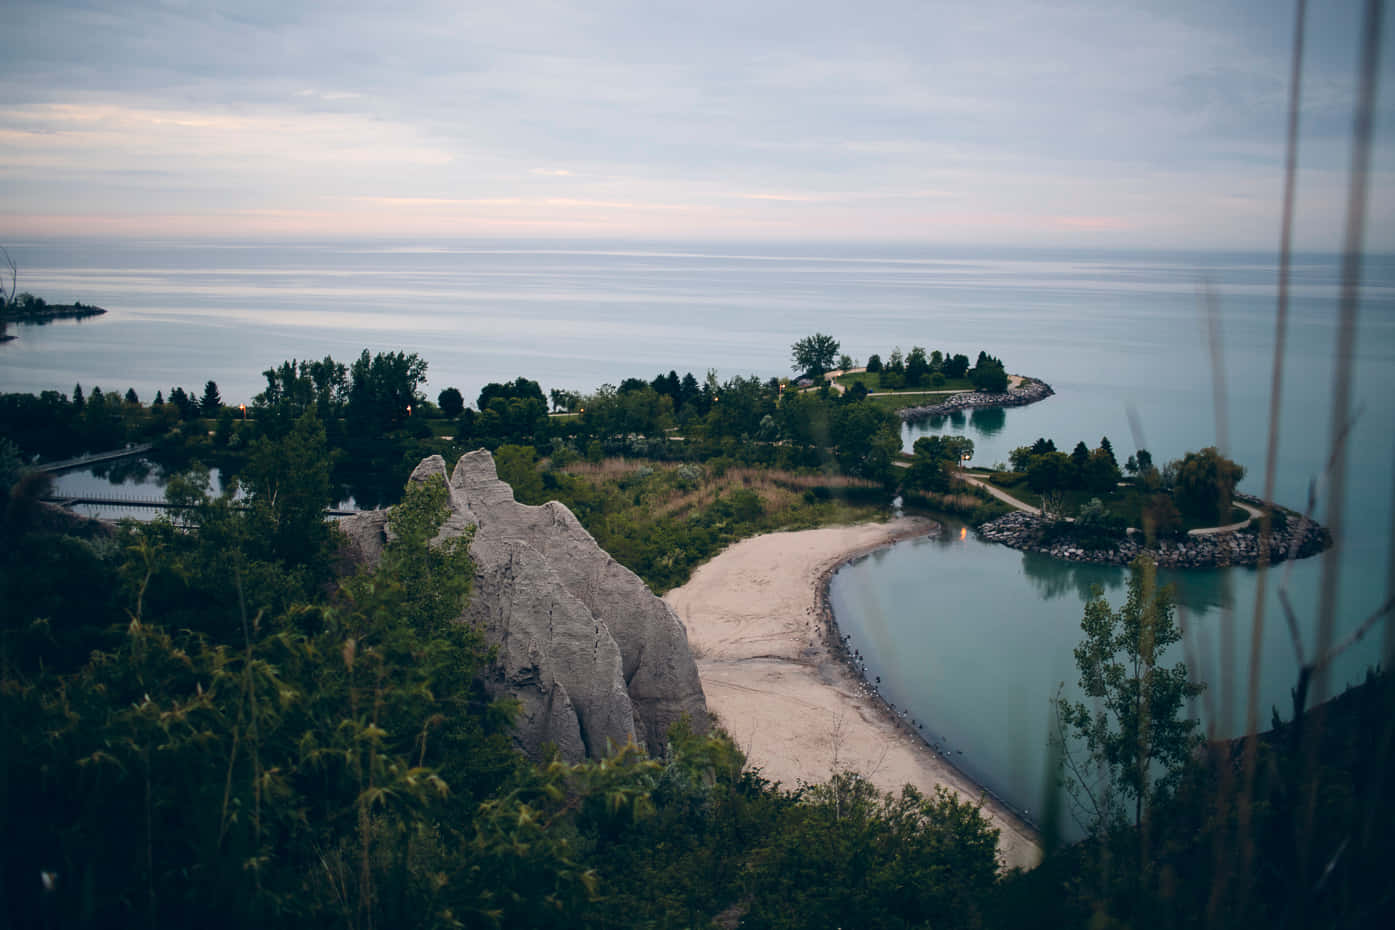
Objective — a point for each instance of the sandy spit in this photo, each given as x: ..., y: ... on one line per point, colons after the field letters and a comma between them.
x: 757, y: 626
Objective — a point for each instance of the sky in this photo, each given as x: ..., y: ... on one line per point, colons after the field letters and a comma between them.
x: 1072, y: 123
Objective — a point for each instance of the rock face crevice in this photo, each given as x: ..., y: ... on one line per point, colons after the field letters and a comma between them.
x: 592, y: 656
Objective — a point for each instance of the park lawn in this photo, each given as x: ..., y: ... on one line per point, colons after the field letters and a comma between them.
x: 1126, y: 501
x: 901, y: 400
x: 873, y: 381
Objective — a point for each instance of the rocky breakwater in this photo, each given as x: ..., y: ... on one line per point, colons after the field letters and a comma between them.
x: 1031, y: 533
x: 1028, y: 392
x: 592, y: 656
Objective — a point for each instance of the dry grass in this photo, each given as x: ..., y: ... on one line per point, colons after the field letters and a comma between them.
x: 778, y: 490
x: 617, y: 467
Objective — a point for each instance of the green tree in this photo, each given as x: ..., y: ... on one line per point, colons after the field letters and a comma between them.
x: 934, y: 458
x: 568, y: 401
x: 866, y: 440
x: 917, y: 367
x: 742, y: 403
x: 848, y: 856
x: 989, y: 378
x: 1101, y: 473
x: 1205, y: 484
x: 212, y: 402
x: 451, y: 402
x: 382, y: 390
x: 813, y: 355
x: 1136, y: 738
x: 959, y: 448
x: 1048, y: 471
x: 287, y: 481
x: 874, y: 364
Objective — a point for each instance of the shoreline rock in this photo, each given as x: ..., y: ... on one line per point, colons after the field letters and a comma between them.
x: 1024, y: 531
x: 1028, y: 392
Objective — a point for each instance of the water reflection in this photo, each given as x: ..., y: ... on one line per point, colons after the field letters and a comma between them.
x: 988, y: 421
x: 1202, y: 589
x: 1055, y: 578
x: 1196, y: 590
x: 135, y: 471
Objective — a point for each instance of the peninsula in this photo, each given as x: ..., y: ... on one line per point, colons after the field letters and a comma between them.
x: 35, y: 311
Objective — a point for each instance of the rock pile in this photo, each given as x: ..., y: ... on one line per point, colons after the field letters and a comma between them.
x: 1028, y: 392
x: 1026, y: 531
x: 592, y: 656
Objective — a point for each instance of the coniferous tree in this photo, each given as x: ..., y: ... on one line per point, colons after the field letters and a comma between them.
x: 211, y: 402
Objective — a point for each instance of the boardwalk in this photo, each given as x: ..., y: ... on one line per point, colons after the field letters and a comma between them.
x: 153, y: 503
x: 93, y: 458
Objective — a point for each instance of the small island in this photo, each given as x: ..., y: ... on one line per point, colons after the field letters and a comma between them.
x: 35, y: 311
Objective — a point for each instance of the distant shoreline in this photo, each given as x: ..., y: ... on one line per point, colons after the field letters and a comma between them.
x: 44, y: 316
x: 51, y: 312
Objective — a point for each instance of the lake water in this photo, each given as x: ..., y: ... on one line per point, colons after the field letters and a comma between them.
x: 973, y: 638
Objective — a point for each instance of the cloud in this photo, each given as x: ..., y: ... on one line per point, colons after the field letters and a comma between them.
x: 1144, y: 123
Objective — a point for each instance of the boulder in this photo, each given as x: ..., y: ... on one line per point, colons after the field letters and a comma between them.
x: 593, y: 657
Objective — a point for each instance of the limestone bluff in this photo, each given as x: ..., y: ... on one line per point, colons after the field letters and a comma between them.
x: 590, y: 653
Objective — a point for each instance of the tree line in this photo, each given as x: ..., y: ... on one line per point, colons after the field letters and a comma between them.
x: 222, y: 722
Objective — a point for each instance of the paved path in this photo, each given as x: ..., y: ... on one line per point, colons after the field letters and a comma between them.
x: 1003, y: 496
x: 1254, y: 513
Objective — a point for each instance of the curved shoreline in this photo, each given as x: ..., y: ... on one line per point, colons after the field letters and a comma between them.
x: 834, y: 642
x: 761, y: 631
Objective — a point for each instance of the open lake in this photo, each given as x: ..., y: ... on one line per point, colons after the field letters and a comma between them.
x: 973, y: 638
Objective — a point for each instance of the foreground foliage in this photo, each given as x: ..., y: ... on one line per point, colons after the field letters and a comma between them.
x: 208, y: 725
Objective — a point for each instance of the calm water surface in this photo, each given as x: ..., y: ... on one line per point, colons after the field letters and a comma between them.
x: 972, y: 638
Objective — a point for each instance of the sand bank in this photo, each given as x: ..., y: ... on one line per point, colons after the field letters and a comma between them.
x: 756, y: 627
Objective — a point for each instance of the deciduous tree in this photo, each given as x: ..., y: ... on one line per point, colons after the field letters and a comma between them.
x: 451, y: 402
x: 1205, y: 483
x: 814, y: 354
x: 1134, y: 732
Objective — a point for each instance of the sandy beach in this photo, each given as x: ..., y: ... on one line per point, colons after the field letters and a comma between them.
x: 755, y: 625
